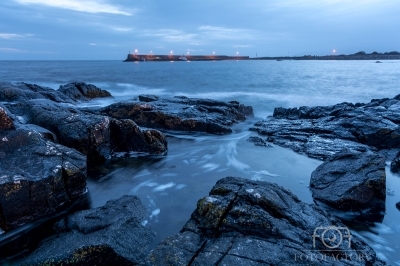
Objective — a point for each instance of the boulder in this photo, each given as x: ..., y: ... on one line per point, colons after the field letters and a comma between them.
x: 259, y: 141
x: 6, y: 118
x: 181, y: 113
x: 18, y: 92
x: 81, y: 91
x: 37, y: 176
x: 351, y: 181
x: 395, y: 164
x: 245, y: 222
x: 109, y: 235
x: 96, y: 136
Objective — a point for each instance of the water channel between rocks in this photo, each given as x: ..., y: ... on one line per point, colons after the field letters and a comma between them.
x: 170, y: 185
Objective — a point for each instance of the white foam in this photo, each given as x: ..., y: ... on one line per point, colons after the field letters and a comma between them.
x: 164, y: 187
x: 264, y: 172
x: 210, y: 167
x: 155, y: 213
x: 180, y: 186
x: 148, y: 183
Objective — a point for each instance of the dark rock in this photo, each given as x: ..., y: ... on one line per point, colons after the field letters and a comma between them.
x: 17, y: 92
x: 109, y: 235
x: 83, y: 92
x: 351, y: 181
x: 259, y: 141
x: 36, y: 175
x: 126, y: 136
x: 181, y: 113
x: 245, y: 222
x: 148, y: 98
x: 324, y: 130
x: 395, y: 164
x: 6, y: 119
x: 89, y: 133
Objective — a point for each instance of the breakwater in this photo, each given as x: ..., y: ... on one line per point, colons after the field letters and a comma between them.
x: 151, y: 57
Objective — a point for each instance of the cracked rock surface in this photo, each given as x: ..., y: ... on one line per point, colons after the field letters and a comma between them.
x: 109, y: 235
x: 181, y: 113
x: 245, y: 222
x: 351, y: 181
x: 36, y: 175
x: 322, y: 131
x: 96, y: 136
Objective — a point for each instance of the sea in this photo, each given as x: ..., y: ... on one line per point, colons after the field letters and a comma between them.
x: 170, y: 185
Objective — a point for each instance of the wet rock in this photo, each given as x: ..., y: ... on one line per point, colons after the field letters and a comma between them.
x: 109, y: 235
x: 395, y: 164
x: 245, y: 222
x: 351, y: 181
x: 37, y: 176
x: 322, y: 131
x: 126, y: 136
x: 89, y: 133
x: 6, y: 119
x: 259, y: 141
x: 181, y: 113
x: 83, y: 92
x: 17, y: 92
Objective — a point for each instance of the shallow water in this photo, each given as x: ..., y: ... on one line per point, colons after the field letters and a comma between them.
x: 171, y: 185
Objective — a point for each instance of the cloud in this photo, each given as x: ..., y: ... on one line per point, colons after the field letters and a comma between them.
x: 14, y: 36
x: 122, y: 29
x: 222, y: 33
x: 88, y: 6
x: 243, y: 46
x: 92, y: 44
x: 11, y: 50
x: 171, y: 35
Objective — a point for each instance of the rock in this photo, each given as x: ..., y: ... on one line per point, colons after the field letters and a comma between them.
x: 398, y: 205
x: 81, y: 91
x: 96, y: 136
x: 181, y: 113
x: 322, y: 131
x: 6, y: 119
x: 245, y: 222
x: 351, y: 181
x: 126, y: 136
x: 395, y: 164
x: 109, y: 235
x: 259, y: 141
x: 18, y: 92
x: 37, y: 176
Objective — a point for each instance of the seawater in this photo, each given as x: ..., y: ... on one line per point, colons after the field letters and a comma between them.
x: 171, y: 185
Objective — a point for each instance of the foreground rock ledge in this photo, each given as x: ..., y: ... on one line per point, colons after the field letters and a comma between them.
x: 351, y: 181
x: 36, y: 175
x: 181, y: 113
x: 109, y: 235
x: 246, y: 222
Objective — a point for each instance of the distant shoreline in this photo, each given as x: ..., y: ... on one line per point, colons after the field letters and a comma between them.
x: 151, y: 57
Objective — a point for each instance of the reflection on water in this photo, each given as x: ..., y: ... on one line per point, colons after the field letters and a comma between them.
x: 170, y: 186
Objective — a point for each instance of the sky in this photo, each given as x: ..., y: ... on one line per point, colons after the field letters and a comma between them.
x: 108, y: 30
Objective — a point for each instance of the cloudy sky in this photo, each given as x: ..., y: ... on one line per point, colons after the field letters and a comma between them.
x: 109, y: 29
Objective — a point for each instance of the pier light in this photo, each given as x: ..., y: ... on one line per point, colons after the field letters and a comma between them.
x: 213, y: 52
x: 135, y: 51
x: 187, y: 52
x: 171, y: 52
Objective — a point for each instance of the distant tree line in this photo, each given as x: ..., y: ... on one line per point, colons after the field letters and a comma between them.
x: 376, y: 53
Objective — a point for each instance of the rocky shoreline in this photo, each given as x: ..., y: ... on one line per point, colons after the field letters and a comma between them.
x: 48, y: 143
